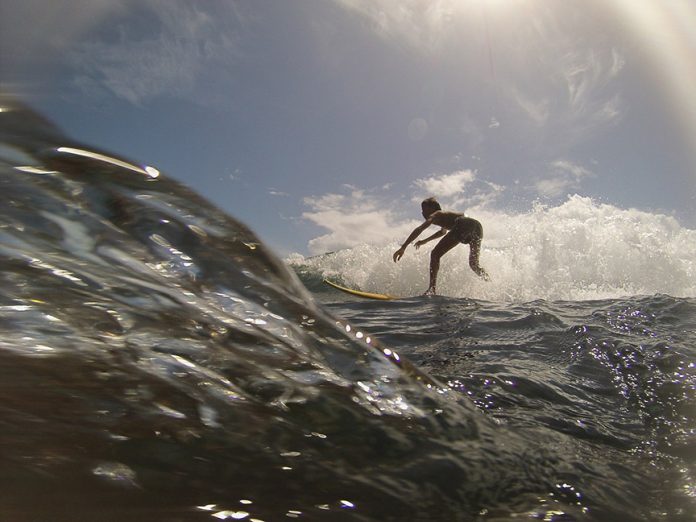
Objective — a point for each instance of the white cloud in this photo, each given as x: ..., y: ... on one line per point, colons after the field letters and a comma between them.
x: 576, y: 171
x: 447, y: 185
x: 483, y: 196
x: 553, y: 187
x: 353, y: 219
x: 362, y: 217
x: 459, y: 191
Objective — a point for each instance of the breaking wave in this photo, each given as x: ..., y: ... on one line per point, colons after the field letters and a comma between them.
x: 579, y: 250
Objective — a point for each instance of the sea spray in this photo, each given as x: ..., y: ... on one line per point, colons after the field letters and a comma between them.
x: 579, y: 250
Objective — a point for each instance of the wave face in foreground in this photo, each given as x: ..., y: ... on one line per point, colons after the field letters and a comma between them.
x: 159, y: 363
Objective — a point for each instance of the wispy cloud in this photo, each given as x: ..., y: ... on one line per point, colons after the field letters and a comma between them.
x: 421, y: 26
x: 571, y: 95
x: 36, y: 31
x: 181, y: 42
x: 536, y: 108
x: 557, y: 70
x: 563, y: 176
x: 586, y: 75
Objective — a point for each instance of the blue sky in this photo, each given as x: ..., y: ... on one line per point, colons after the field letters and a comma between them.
x: 322, y: 123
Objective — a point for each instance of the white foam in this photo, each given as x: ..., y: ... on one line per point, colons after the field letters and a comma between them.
x: 579, y: 250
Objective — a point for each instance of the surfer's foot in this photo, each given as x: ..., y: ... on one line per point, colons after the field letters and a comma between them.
x: 430, y: 291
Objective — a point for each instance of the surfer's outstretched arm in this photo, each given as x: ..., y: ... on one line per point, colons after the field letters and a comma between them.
x: 416, y: 232
x: 436, y: 235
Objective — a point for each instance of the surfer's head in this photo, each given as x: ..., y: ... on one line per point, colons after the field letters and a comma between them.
x: 428, y: 206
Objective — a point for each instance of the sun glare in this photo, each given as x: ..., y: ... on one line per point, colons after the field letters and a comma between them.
x: 670, y: 48
x: 500, y: 3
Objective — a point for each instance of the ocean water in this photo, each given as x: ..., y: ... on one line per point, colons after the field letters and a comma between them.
x: 158, y: 362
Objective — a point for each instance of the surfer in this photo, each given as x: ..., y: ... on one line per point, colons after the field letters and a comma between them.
x: 456, y: 228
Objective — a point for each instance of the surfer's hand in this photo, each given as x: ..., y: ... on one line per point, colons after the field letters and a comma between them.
x: 419, y: 244
x: 398, y: 254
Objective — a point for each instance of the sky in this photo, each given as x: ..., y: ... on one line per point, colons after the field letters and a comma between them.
x: 321, y: 124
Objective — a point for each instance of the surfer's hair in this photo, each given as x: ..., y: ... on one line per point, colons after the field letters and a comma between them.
x: 430, y: 204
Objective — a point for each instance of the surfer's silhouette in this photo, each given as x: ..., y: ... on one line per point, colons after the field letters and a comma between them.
x: 457, y: 228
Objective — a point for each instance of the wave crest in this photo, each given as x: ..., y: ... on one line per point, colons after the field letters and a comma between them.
x: 579, y: 250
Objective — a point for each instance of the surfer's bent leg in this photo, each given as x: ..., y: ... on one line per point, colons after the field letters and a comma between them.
x: 474, y: 252
x: 446, y: 244
x: 471, y: 233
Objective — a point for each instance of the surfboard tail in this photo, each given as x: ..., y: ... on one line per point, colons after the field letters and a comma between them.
x: 360, y: 293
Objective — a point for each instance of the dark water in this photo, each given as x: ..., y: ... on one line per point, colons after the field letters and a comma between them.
x: 159, y: 363
x: 613, y: 378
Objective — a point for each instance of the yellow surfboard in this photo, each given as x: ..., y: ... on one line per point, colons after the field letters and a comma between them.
x: 358, y: 293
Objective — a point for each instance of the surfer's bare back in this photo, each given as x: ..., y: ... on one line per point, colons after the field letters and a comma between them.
x: 457, y: 228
